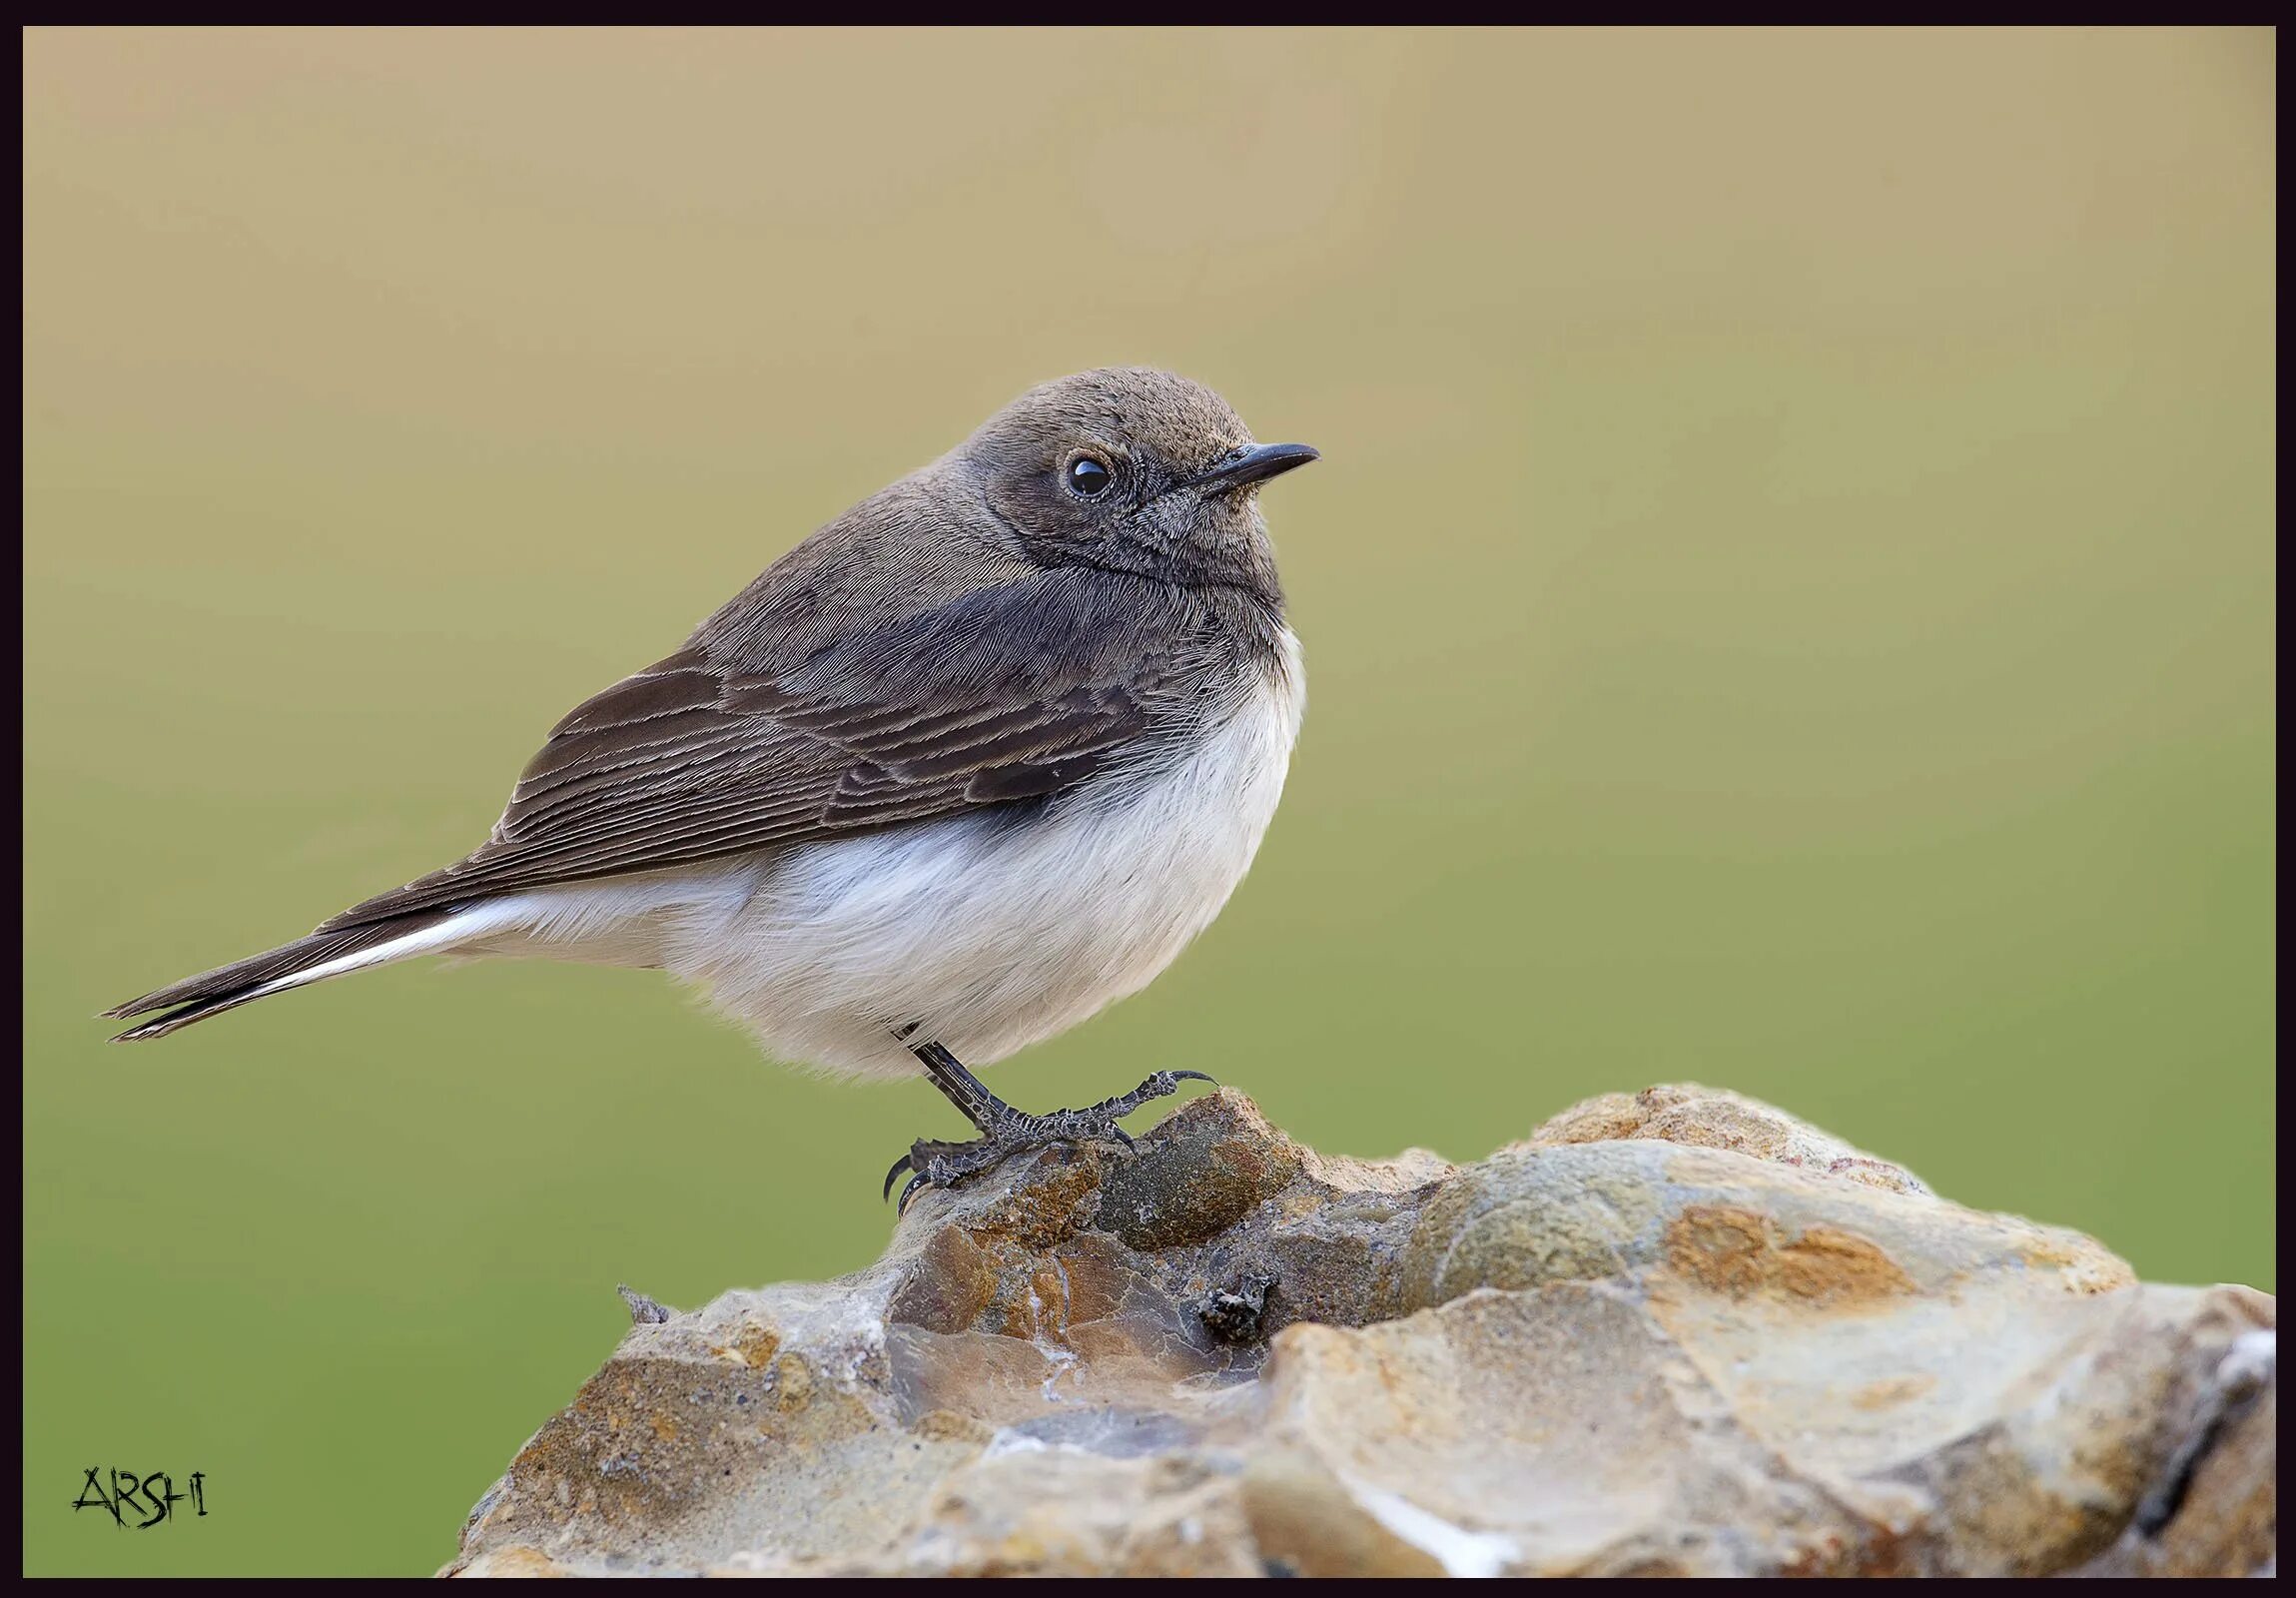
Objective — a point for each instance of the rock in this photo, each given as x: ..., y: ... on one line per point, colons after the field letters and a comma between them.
x: 1670, y: 1332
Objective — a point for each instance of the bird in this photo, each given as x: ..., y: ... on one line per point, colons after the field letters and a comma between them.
x: 967, y: 764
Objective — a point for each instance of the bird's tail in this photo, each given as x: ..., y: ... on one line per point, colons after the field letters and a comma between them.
x: 313, y: 959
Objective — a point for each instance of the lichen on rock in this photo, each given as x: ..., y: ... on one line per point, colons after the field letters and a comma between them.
x: 1668, y: 1332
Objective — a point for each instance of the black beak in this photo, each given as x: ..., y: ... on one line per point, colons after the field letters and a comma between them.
x: 1255, y: 465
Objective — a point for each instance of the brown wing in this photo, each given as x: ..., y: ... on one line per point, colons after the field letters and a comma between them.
x: 1005, y: 692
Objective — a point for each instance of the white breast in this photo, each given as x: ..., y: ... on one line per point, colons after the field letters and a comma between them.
x: 988, y: 932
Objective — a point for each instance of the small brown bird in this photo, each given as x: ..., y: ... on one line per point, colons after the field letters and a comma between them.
x: 971, y: 762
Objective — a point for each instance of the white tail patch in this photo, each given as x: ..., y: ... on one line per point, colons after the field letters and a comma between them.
x: 460, y: 927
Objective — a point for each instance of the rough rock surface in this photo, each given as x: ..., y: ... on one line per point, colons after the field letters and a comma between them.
x: 1673, y: 1332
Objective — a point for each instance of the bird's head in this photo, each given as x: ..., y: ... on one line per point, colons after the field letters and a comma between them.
x: 1134, y: 470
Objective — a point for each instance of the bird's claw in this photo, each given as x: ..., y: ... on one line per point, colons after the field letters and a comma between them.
x: 944, y: 1164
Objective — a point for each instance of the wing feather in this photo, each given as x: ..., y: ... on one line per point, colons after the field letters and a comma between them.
x: 1012, y: 691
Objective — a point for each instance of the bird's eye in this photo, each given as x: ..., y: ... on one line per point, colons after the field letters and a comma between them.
x: 1089, y: 476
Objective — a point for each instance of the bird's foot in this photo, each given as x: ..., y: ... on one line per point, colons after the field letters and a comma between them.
x: 943, y: 1165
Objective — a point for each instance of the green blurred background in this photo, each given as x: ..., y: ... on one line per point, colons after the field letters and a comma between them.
x: 1788, y: 601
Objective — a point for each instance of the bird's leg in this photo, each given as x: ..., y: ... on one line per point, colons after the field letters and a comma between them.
x: 1006, y: 1131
